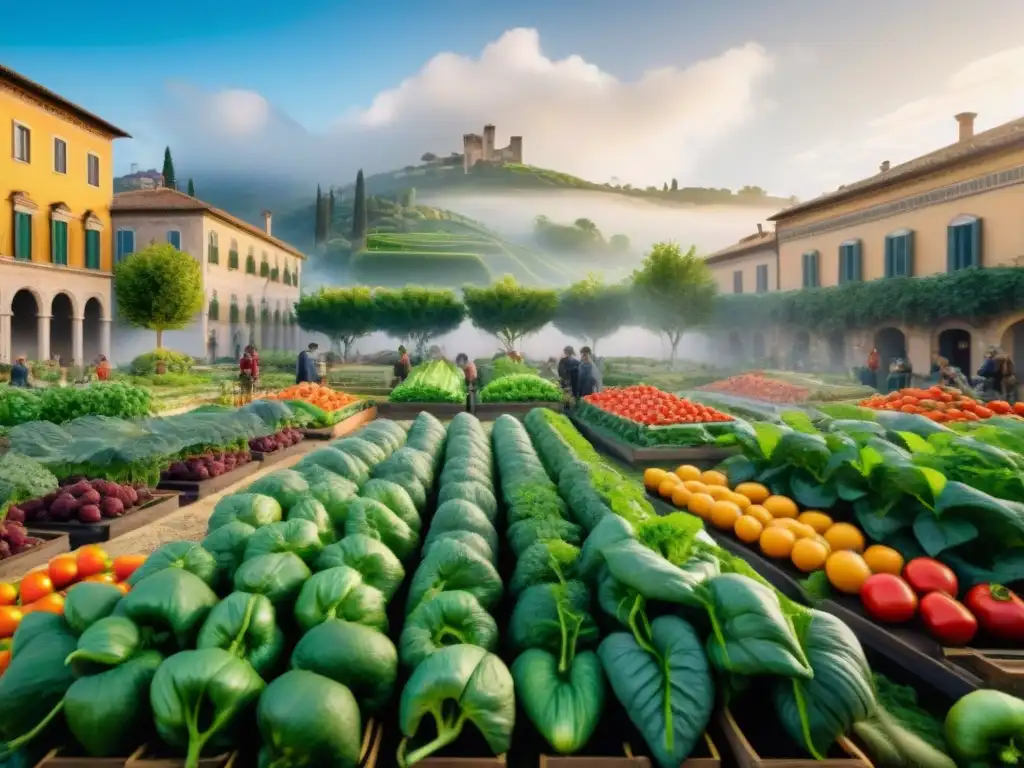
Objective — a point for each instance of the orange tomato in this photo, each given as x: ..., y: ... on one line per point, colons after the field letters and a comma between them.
x: 8, y: 593
x: 10, y: 618
x: 102, y: 578
x: 124, y: 586
x: 63, y: 570
x: 52, y: 603
x: 126, y: 565
x: 5, y: 660
x: 35, y: 585
x: 92, y: 560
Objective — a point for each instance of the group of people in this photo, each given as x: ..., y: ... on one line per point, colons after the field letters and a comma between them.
x: 20, y: 372
x: 997, y: 377
x: 579, y: 378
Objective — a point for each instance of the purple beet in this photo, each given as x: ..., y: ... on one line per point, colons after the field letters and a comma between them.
x: 111, y: 507
x: 91, y: 496
x: 80, y: 488
x: 63, y: 507
x: 15, y: 534
x: 90, y: 513
x: 16, y: 515
x: 32, y: 507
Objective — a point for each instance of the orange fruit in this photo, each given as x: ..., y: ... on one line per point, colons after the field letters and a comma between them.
x: 777, y: 542
x: 799, y: 530
x: 762, y: 515
x: 701, y: 505
x: 809, y: 554
x: 845, y: 536
x: 5, y: 660
x: 666, y: 488
x: 52, y: 603
x: 653, y: 477
x: 688, y: 472
x: 8, y: 593
x: 63, y: 570
x: 10, y: 618
x: 34, y: 585
x: 102, y: 578
x: 724, y: 515
x: 92, y: 560
x: 881, y: 559
x: 819, y: 521
x: 719, y: 492
x: 124, y: 586
x: 126, y: 565
x: 847, y: 571
x: 738, y: 499
x: 681, y: 496
x: 756, y: 492
x: 780, y: 506
x: 695, y: 486
x: 714, y: 477
x: 748, y: 529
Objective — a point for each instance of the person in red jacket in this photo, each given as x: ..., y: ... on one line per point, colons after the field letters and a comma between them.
x: 248, y: 372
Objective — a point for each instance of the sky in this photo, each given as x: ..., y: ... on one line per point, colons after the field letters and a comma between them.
x: 794, y: 96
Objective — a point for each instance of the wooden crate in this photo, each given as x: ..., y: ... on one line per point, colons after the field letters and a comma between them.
x: 191, y: 490
x: 160, y: 506
x: 463, y: 762
x: 1001, y: 669
x: 57, y: 759
x: 409, y: 411
x: 638, y: 456
x: 491, y: 411
x: 745, y: 755
x: 270, y: 458
x: 344, y: 427
x: 708, y: 757
x: 54, y: 543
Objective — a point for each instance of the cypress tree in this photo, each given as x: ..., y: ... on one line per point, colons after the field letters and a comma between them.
x: 191, y: 188
x: 318, y: 227
x: 329, y: 228
x: 359, y: 210
x: 675, y: 185
x: 169, y: 180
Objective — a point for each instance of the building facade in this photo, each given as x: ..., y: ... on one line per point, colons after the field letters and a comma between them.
x: 250, y: 278
x: 56, y: 186
x: 481, y: 149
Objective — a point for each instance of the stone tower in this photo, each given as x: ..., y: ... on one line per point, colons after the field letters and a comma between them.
x: 488, y: 143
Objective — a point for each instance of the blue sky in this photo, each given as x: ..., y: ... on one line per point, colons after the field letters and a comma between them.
x: 835, y: 67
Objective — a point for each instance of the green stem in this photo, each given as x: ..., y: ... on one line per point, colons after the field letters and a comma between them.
x: 1010, y: 755
x: 18, y: 742
x: 805, y: 723
x: 445, y: 736
x: 449, y: 632
x: 240, y: 637
x: 641, y: 639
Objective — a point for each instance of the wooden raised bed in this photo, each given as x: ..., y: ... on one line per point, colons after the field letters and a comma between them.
x: 54, y: 544
x: 191, y: 490
x: 276, y: 457
x: 464, y: 762
x: 491, y: 411
x: 639, y: 456
x: 344, y: 427
x: 1002, y: 669
x: 755, y: 752
x: 705, y: 755
x: 407, y: 411
x: 160, y: 506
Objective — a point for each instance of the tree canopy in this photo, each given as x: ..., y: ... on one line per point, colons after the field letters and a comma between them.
x: 510, y: 311
x: 592, y: 310
x: 159, y: 288
x: 418, y: 314
x: 168, y: 170
x: 341, y: 314
x: 673, y: 291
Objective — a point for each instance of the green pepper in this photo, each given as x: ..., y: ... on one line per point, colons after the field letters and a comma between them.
x: 89, y: 602
x: 108, y: 711
x: 246, y: 625
x: 107, y: 643
x: 986, y: 728
x: 172, y: 600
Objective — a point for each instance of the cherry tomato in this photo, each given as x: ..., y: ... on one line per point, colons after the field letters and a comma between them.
x: 888, y: 598
x: 926, y: 575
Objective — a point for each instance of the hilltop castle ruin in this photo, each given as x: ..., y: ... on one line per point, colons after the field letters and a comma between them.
x: 480, y: 149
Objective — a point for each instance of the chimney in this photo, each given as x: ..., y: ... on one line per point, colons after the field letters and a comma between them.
x: 884, y: 167
x: 267, y: 218
x: 966, y: 123
x: 760, y: 229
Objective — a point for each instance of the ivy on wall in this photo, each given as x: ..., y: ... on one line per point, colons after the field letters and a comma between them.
x: 972, y: 295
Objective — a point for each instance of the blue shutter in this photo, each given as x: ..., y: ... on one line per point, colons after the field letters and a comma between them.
x: 891, y: 249
x: 858, y: 261
x: 174, y: 238
x: 974, y: 231
x: 806, y: 270
x: 951, y: 260
x: 843, y: 258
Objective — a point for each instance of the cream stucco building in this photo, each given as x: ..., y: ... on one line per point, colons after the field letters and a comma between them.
x: 251, y: 279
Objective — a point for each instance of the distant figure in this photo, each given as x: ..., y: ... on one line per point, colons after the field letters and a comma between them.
x: 321, y: 369
x: 874, y: 361
x: 998, y: 375
x: 403, y: 366
x: 589, y: 375
x: 19, y: 374
x: 102, y: 368
x: 248, y: 372
x: 305, y: 367
x: 468, y: 370
x: 569, y: 371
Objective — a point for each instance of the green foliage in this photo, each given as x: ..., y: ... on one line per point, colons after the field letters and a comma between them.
x: 510, y: 311
x: 341, y: 314
x: 168, y: 170
x: 423, y: 267
x: 581, y: 236
x: 972, y: 295
x: 674, y: 291
x: 174, y: 362
x: 191, y: 188
x: 62, y: 404
x: 359, y: 217
x: 418, y: 314
x: 159, y: 288
x: 591, y: 310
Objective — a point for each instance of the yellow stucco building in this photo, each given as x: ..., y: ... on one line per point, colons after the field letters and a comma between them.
x: 56, y: 187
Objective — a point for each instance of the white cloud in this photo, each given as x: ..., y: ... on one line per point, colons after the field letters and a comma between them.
x: 991, y: 87
x: 572, y: 115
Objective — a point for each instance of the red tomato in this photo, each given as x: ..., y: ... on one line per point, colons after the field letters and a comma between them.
x: 888, y: 598
x: 926, y: 575
x: 999, y: 611
x: 947, y: 619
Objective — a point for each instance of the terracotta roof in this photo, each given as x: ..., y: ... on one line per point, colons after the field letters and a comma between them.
x: 996, y: 139
x: 749, y: 244
x: 37, y: 90
x: 164, y: 200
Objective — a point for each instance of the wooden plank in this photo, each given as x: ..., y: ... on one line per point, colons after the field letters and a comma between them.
x: 706, y: 755
x: 408, y: 411
x: 644, y: 456
x: 491, y: 411
x: 191, y: 490
x: 270, y: 458
x: 81, y: 534
x: 745, y: 754
x: 53, y: 544
x: 344, y: 427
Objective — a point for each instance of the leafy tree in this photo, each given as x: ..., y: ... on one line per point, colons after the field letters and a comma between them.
x: 191, y: 188
x: 169, y: 181
x: 329, y: 223
x: 619, y: 243
x: 510, y: 311
x: 664, y: 187
x: 409, y: 198
x: 673, y: 292
x: 359, y: 210
x: 428, y: 157
x: 159, y: 288
x: 318, y: 226
x: 418, y: 314
x: 675, y: 185
x: 341, y: 314
x: 591, y: 310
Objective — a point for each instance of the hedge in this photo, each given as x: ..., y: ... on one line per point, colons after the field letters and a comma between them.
x: 419, y: 267
x: 972, y: 295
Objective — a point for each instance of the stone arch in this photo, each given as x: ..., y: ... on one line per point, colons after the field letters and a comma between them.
x: 34, y: 292
x: 1011, y: 341
x: 25, y: 310
x: 72, y: 299
x: 837, y: 349
x: 891, y: 342
x: 63, y: 312
x: 99, y: 302
x: 92, y: 329
x: 955, y: 345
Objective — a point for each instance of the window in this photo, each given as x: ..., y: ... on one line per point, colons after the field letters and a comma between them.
x: 899, y: 254
x: 213, y: 248
x: 810, y: 269
x: 22, y: 236
x: 250, y: 263
x: 125, y: 243
x: 60, y: 155
x: 963, y: 243
x: 59, y: 242
x: 737, y: 281
x: 250, y: 312
x: 233, y: 255
x: 93, y: 170
x: 850, y: 262
x: 213, y: 311
x: 762, y: 278
x: 233, y: 310
x: 174, y: 238
x: 22, y: 143
x: 92, y: 249
x: 264, y: 266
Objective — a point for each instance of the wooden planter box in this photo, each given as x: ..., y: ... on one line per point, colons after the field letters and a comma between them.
x: 638, y: 456
x: 160, y: 506
x: 343, y: 427
x: 276, y: 457
x: 491, y: 411
x: 464, y: 762
x: 409, y: 411
x: 191, y: 490
x: 706, y: 755
x: 745, y: 754
x: 1002, y: 669
x: 53, y: 544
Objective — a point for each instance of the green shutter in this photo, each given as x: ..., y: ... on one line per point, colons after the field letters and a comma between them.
x: 951, y: 260
x: 815, y: 265
x: 858, y: 261
x: 974, y: 231
x: 807, y: 270
x: 843, y: 258
x: 891, y: 247
x: 59, y: 242
x: 908, y: 254
x: 92, y: 249
x: 23, y: 236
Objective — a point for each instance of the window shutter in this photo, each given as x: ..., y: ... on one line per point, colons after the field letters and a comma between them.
x: 951, y: 260
x: 815, y: 262
x: 908, y: 254
x: 843, y: 258
x: 975, y: 244
x: 891, y: 247
x: 858, y: 261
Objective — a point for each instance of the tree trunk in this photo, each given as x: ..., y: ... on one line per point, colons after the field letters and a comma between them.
x: 344, y: 354
x: 159, y: 338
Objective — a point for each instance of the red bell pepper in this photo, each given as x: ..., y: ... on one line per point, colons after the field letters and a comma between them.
x: 947, y: 619
x: 926, y: 575
x: 999, y: 611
